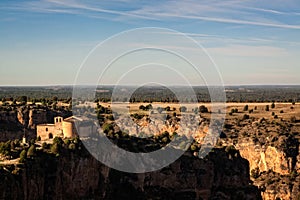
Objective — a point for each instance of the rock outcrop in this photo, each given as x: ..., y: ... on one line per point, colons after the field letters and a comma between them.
x: 76, y: 176
x: 273, y: 152
x: 12, y: 123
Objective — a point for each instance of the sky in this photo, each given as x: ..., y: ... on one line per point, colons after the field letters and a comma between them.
x: 251, y: 41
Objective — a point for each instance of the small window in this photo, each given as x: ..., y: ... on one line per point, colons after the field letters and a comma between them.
x: 50, y: 136
x: 46, y: 129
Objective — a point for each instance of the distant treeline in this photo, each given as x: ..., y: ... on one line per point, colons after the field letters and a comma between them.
x: 156, y: 94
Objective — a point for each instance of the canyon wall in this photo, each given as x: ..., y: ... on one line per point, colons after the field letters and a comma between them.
x: 12, y: 123
x: 73, y: 175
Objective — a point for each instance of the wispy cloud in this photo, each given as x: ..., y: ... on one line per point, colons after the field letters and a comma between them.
x: 233, y: 12
x: 249, y: 51
x: 230, y: 12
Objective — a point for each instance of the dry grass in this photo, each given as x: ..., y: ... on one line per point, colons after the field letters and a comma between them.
x: 259, y: 112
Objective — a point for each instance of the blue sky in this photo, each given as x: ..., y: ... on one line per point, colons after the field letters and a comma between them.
x: 251, y: 41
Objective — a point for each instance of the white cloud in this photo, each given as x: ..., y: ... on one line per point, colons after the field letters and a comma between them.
x: 230, y: 11
x: 249, y: 51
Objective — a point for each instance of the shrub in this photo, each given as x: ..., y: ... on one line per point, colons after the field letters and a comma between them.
x: 44, y: 145
x: 58, y: 140
x: 23, y: 156
x: 273, y: 113
x: 246, y: 117
x: 55, y: 148
x: 246, y: 108
x: 167, y: 108
x: 255, y: 173
x: 182, y: 109
x: 267, y: 108
x: 107, y: 127
x: 159, y: 109
x: 5, y: 148
x: 31, y: 151
x: 193, y: 147
x: 165, y: 139
x: 67, y: 142
x: 72, y: 146
x: 273, y: 105
x: 203, y: 109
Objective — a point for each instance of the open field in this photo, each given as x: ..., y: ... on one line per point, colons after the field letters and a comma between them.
x: 283, y: 110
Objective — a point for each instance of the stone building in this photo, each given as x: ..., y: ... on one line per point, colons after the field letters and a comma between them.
x: 65, y: 128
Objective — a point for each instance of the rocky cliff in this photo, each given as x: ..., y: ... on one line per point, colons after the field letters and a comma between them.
x: 12, y: 123
x: 273, y: 152
x: 77, y: 175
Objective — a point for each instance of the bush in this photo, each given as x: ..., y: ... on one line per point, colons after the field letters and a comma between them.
x: 165, y: 139
x: 5, y: 148
x: 203, y: 109
x: 255, y: 173
x: 58, y: 140
x: 44, y: 145
x: 72, y: 146
x: 55, y: 148
x: 23, y: 156
x: 246, y: 108
x: 107, y: 127
x: 159, y: 109
x: 31, y: 151
x: 273, y: 113
x: 273, y: 105
x: 246, y: 117
x: 167, y: 108
x: 193, y: 147
x: 67, y: 142
x: 182, y: 109
x: 267, y: 108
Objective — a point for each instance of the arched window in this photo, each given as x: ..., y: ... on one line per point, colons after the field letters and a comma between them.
x: 50, y: 135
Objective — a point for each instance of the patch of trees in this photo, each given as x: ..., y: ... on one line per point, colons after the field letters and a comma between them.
x: 145, y: 108
x: 203, y: 109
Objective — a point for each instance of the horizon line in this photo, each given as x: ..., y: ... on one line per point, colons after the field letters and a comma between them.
x: 132, y: 85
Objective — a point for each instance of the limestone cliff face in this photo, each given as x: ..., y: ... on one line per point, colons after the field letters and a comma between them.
x: 277, y: 165
x: 23, y: 116
x: 12, y: 123
x: 264, y: 157
x: 37, y: 117
x: 74, y: 176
